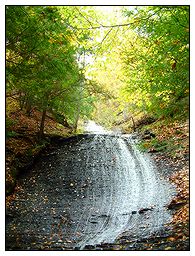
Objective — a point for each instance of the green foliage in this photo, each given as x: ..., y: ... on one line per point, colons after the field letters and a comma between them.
x: 144, y: 65
x: 71, y: 60
x: 159, y: 71
x: 170, y: 146
x: 10, y: 134
x: 9, y: 123
x: 153, y: 144
x: 37, y: 148
x: 43, y: 59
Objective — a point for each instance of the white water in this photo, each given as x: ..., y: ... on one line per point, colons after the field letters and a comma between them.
x: 95, y: 186
x: 130, y: 182
x: 94, y: 128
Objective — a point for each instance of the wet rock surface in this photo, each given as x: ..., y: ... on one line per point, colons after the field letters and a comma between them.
x: 85, y: 192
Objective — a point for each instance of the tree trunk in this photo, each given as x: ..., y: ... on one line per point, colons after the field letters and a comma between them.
x: 21, y: 101
x: 133, y: 124
x: 66, y: 124
x: 76, y: 119
x: 41, y: 131
x: 76, y: 124
x: 28, y: 108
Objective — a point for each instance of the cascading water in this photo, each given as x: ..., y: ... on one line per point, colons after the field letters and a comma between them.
x: 87, y: 191
x: 128, y: 182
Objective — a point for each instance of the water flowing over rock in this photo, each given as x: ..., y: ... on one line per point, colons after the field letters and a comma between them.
x: 92, y: 127
x: 90, y: 191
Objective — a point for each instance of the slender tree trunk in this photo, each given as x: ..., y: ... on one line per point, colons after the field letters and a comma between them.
x: 21, y: 101
x: 76, y: 119
x: 133, y: 123
x: 41, y: 130
x: 66, y: 124
x: 77, y: 114
x: 28, y: 108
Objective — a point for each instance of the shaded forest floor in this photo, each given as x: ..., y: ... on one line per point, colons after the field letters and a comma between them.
x: 171, y: 148
x: 22, y: 144
x: 167, y: 143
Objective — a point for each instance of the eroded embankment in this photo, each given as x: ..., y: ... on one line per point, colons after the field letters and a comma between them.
x: 86, y: 192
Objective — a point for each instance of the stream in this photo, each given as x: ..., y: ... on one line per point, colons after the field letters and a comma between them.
x: 88, y: 191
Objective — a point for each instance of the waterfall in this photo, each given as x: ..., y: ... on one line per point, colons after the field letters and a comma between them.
x: 124, y: 182
x: 89, y: 190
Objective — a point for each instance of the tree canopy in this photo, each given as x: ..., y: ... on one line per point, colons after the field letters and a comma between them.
x: 162, y: 61
x: 79, y: 60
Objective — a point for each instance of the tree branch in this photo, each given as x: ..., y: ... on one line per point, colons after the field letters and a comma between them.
x: 84, y: 17
x: 109, y: 26
x: 102, y: 26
